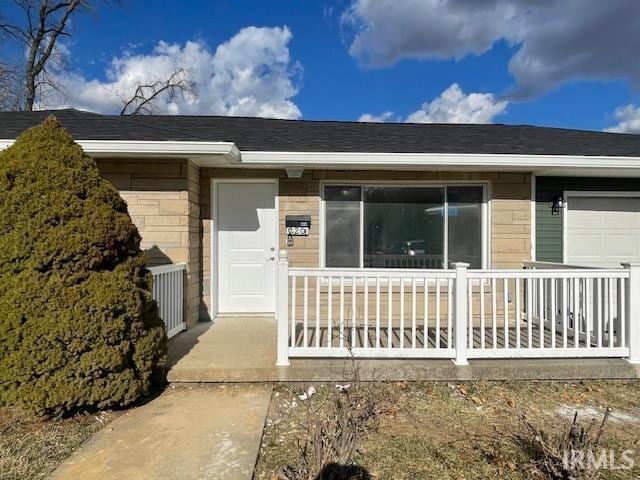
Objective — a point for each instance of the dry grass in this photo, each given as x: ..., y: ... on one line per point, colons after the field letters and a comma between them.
x: 31, y: 448
x: 455, y: 431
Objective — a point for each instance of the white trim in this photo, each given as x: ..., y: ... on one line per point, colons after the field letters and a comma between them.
x: 171, y: 267
x: 533, y: 217
x: 215, y: 264
x: 548, y: 352
x: 201, y: 153
x: 360, y: 352
x: 584, y: 193
x: 485, y: 211
x: 445, y: 160
x: 205, y: 154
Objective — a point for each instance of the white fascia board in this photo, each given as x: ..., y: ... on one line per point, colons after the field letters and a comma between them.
x: 202, y: 153
x: 437, y: 160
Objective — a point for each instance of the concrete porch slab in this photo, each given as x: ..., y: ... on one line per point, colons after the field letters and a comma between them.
x: 243, y: 349
x: 198, y: 432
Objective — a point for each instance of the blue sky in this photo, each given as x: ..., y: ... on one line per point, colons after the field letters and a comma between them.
x: 344, y: 59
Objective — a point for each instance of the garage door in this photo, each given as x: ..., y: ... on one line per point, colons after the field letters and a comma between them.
x: 602, y: 230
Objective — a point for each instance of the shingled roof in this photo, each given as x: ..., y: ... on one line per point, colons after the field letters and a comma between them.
x: 261, y: 134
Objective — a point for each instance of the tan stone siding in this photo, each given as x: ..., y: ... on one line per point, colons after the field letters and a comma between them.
x: 509, y: 224
x: 162, y: 198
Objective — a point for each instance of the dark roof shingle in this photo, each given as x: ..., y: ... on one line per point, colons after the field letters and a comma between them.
x: 262, y: 134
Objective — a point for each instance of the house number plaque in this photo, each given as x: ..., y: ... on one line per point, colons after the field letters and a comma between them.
x: 298, y: 225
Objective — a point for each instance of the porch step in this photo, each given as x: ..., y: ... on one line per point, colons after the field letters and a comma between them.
x: 243, y: 349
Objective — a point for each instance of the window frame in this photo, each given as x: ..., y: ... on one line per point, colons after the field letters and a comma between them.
x: 485, y: 215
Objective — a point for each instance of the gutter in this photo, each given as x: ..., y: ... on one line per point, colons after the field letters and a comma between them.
x: 203, y: 154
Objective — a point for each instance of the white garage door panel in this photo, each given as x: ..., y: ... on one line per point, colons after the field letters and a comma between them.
x: 602, y: 230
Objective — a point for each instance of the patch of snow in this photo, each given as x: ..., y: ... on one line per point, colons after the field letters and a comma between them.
x: 615, y: 416
x: 310, y: 391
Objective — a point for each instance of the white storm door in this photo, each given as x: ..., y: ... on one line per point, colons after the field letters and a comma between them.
x: 247, y: 235
x: 602, y: 230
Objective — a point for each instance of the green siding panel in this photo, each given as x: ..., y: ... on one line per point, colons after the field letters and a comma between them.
x: 549, y: 227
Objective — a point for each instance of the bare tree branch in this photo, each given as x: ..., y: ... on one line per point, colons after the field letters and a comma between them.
x: 42, y: 24
x: 146, y: 96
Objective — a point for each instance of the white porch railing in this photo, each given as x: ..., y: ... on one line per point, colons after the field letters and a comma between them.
x: 168, y: 292
x: 537, y: 312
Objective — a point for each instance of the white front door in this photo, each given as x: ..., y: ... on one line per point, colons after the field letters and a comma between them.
x: 247, y: 242
x: 602, y: 230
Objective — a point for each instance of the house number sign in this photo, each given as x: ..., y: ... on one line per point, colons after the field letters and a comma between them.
x: 298, y: 225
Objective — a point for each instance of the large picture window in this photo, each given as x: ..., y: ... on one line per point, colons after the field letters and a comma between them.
x: 403, y: 226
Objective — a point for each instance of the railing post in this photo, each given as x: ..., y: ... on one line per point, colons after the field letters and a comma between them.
x: 282, y: 309
x: 633, y: 311
x: 461, y: 325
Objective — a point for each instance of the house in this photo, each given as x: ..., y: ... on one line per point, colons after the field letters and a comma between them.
x: 393, y: 240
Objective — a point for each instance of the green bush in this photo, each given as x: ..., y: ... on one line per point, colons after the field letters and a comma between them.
x: 78, y: 326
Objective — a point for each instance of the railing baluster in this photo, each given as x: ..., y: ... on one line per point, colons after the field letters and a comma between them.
x: 377, y: 312
x: 365, y: 335
x: 529, y: 313
x: 623, y: 316
x: 426, y: 314
x: 482, y: 325
x: 449, y: 313
x: 576, y: 321
x: 401, y: 312
x: 305, y: 311
x: 293, y: 311
x: 518, y: 314
x: 506, y: 312
x: 599, y: 311
x: 413, y: 312
x: 341, y: 324
x: 612, y: 331
x: 552, y: 319
x: 565, y: 341
x: 588, y: 320
x: 541, y: 311
x: 390, y: 314
x: 329, y: 312
x: 494, y: 314
x: 318, y: 312
x: 470, y: 314
x: 354, y: 318
x: 437, y: 313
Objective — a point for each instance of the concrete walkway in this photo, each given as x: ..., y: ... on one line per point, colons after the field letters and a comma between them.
x: 243, y: 349
x: 202, y: 432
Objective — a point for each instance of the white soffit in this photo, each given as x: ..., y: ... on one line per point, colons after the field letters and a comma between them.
x: 542, y: 163
x: 201, y: 153
x: 220, y: 154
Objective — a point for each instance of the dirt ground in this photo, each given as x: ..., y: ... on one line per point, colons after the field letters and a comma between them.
x: 31, y: 448
x: 461, y: 430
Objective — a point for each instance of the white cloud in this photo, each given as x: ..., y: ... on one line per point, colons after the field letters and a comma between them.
x: 451, y: 106
x: 628, y: 118
x: 454, y: 106
x: 383, y: 117
x: 555, y: 40
x: 251, y: 74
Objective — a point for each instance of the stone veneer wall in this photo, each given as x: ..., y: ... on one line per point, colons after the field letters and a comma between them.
x: 163, y: 200
x: 509, y: 226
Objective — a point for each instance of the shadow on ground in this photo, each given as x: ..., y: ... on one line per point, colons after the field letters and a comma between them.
x: 335, y: 471
x: 180, y: 345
